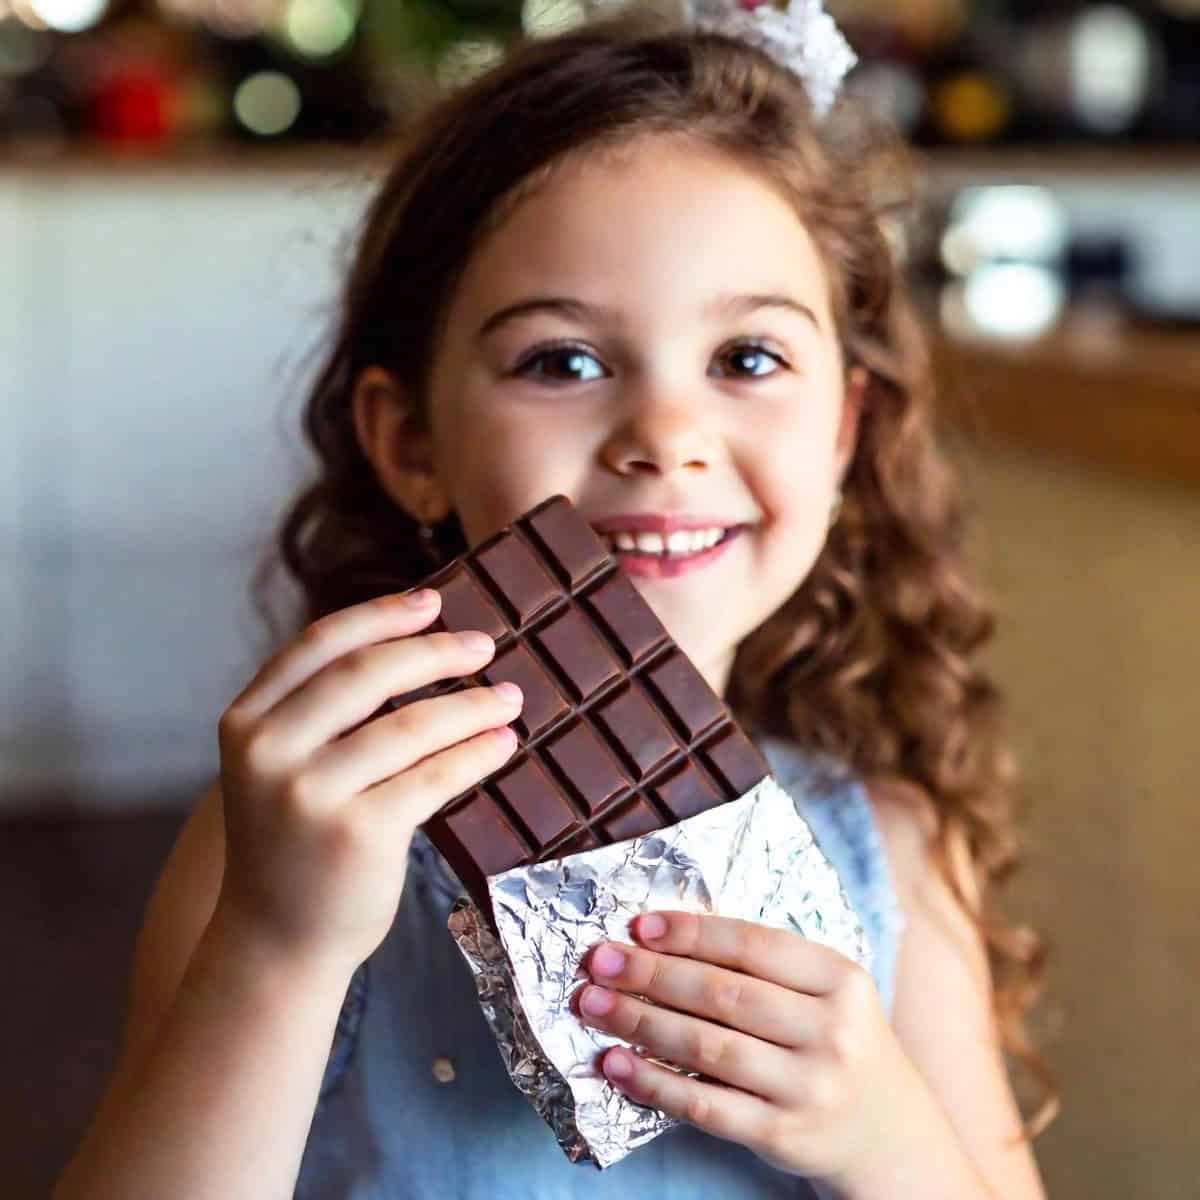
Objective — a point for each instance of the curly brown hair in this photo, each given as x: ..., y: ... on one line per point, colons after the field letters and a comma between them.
x: 872, y: 658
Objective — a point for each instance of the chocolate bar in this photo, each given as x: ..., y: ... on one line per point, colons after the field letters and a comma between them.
x: 619, y: 734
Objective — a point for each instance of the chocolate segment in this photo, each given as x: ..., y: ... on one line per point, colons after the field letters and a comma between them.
x: 581, y: 658
x: 544, y: 703
x: 619, y: 734
x: 618, y: 609
x: 637, y: 731
x: 464, y: 605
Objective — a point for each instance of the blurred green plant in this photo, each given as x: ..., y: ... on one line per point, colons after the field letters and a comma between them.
x: 421, y: 32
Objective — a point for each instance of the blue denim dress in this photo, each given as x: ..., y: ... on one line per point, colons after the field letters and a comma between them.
x: 416, y: 1104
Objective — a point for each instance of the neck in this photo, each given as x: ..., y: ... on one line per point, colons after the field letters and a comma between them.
x: 717, y: 671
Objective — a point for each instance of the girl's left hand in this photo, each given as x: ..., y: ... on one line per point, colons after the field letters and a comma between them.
x: 804, y: 1067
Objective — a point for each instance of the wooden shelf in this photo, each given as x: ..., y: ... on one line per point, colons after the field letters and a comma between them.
x: 218, y: 158
x: 1080, y: 161
x: 1096, y: 390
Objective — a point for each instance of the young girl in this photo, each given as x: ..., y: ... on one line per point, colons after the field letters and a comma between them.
x: 634, y: 266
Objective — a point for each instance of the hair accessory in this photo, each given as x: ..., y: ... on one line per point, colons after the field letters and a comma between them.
x: 803, y: 37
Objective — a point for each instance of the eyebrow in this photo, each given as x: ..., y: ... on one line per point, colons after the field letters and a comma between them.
x: 579, y: 310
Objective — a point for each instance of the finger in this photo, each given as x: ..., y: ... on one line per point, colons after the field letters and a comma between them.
x: 352, y: 688
x: 776, y: 955
x: 762, y: 1010
x: 721, y: 1111
x: 713, y: 1050
x: 331, y: 637
x: 391, y: 744
x: 413, y: 796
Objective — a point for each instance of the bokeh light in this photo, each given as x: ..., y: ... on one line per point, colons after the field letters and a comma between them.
x: 971, y: 106
x: 1005, y: 300
x: 69, y: 16
x: 468, y: 59
x: 267, y: 103
x: 320, y: 28
x: 1110, y: 68
x: 1012, y: 221
x: 544, y: 18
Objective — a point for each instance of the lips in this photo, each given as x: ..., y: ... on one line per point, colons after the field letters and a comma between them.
x: 660, y: 522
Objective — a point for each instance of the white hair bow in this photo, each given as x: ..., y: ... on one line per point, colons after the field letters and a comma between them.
x: 803, y: 37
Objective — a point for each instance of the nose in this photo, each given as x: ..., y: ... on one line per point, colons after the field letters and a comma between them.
x: 659, y: 434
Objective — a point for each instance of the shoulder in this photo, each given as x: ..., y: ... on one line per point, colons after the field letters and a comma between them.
x: 943, y: 1013
x: 943, y: 951
x: 911, y: 829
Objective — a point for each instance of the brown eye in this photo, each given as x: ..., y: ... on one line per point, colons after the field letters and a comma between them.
x: 562, y: 364
x: 751, y: 360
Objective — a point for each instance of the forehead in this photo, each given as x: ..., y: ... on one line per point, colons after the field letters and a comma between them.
x: 652, y: 224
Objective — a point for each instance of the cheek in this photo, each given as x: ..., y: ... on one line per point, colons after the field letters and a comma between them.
x: 794, y: 473
x: 498, y: 463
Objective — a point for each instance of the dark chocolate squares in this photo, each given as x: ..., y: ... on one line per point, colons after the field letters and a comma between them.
x: 619, y: 735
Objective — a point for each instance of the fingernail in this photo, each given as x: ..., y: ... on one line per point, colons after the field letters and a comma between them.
x: 509, y: 693
x: 651, y: 927
x: 607, y: 960
x: 422, y: 598
x: 476, y: 643
x: 618, y: 1064
x: 596, y: 1001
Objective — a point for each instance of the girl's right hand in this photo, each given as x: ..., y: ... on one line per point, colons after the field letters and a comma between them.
x: 319, y: 812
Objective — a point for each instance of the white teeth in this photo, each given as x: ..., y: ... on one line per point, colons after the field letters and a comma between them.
x: 677, y: 544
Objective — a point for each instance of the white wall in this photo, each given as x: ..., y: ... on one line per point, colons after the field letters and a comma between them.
x: 156, y: 330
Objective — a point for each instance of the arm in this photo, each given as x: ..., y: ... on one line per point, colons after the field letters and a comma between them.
x: 223, y: 1053
x: 952, y: 1043
x: 285, y: 880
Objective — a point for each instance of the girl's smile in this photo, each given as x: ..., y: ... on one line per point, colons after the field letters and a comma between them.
x: 664, y: 545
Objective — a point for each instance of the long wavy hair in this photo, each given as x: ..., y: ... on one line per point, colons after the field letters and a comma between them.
x: 873, y: 658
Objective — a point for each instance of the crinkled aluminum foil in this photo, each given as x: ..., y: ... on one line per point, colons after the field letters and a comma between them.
x: 754, y: 858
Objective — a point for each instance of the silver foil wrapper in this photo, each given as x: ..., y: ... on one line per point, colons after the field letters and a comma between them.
x: 754, y: 858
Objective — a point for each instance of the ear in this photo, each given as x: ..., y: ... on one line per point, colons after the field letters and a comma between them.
x: 397, y: 446
x: 858, y: 379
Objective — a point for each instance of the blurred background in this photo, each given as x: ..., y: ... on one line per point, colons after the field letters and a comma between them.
x: 178, y: 183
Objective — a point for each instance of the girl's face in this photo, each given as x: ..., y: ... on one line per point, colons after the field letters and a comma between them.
x: 650, y: 334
